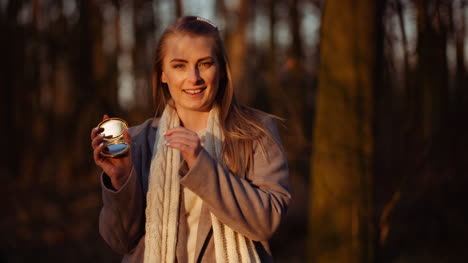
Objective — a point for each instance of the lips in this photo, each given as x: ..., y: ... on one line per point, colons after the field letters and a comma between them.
x: 193, y: 91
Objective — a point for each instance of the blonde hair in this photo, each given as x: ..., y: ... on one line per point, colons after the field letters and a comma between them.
x: 241, y: 125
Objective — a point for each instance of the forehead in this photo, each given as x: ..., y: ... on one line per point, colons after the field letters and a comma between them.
x: 188, y: 47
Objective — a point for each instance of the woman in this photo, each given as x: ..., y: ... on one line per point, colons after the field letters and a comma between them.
x: 205, y: 182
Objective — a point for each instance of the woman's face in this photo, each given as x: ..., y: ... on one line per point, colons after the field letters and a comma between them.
x: 191, y: 71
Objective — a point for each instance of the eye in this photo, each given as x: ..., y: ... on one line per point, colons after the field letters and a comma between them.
x: 205, y: 64
x: 178, y: 66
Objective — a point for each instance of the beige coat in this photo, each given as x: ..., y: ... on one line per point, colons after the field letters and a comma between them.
x: 253, y: 206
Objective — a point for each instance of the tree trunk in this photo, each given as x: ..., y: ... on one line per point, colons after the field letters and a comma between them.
x: 237, y: 47
x: 342, y: 162
x: 12, y: 91
x: 461, y: 93
x: 401, y: 24
x: 179, y: 8
x: 297, y: 91
x: 432, y: 71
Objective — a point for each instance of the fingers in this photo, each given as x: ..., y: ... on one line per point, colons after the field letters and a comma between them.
x: 106, y: 164
x: 183, y: 148
x: 189, y: 152
x: 96, y: 140
x: 182, y: 138
x: 186, y: 141
x: 111, y: 166
x: 179, y: 129
x: 98, y: 159
x: 95, y: 131
x: 181, y: 133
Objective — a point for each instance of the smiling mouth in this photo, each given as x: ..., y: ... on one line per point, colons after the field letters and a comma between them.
x: 193, y: 91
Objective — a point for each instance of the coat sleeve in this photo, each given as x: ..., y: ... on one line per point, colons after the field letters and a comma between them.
x: 254, y: 206
x: 121, y: 221
x: 122, y: 218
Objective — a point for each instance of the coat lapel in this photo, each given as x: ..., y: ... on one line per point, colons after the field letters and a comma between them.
x: 204, y: 228
x: 181, y: 248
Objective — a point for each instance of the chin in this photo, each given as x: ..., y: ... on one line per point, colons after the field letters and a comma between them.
x: 192, y: 107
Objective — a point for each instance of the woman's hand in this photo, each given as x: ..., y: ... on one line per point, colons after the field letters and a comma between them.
x: 186, y: 141
x: 118, y: 169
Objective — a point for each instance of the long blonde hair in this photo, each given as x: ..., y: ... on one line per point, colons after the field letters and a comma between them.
x: 241, y: 125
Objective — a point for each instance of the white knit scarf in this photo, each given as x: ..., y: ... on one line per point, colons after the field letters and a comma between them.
x: 163, y: 200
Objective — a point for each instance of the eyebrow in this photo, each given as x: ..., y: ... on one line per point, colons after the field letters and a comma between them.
x: 177, y: 60
x: 185, y: 61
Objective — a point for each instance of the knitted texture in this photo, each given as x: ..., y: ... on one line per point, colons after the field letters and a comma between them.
x: 162, y: 208
x: 163, y: 200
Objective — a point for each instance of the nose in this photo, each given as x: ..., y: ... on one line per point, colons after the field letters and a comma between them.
x: 194, y: 76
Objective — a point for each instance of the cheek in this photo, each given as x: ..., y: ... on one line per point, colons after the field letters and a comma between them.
x: 213, y: 78
x: 172, y: 80
x: 171, y: 85
x: 172, y: 90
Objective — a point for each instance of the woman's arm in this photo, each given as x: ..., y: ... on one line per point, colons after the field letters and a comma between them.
x: 254, y: 206
x: 121, y: 222
x: 122, y: 218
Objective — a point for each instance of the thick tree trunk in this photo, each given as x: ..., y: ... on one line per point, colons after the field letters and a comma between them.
x: 11, y: 92
x: 342, y: 162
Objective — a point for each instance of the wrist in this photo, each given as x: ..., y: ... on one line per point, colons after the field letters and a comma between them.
x: 193, y: 159
x: 120, y: 178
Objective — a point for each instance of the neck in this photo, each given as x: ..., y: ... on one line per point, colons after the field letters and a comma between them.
x: 193, y: 120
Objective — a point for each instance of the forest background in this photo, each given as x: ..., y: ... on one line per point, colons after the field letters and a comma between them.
x: 374, y: 95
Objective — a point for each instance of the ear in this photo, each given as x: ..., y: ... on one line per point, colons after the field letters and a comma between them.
x: 163, y: 77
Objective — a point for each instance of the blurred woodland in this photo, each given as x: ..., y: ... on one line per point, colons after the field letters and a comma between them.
x: 374, y: 95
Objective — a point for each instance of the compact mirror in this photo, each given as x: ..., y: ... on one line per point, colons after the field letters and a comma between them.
x: 114, y: 137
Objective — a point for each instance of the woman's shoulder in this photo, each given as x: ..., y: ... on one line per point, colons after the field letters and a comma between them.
x: 270, y: 141
x: 266, y: 120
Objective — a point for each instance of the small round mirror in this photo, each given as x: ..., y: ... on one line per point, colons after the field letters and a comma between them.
x: 113, y: 137
x: 113, y: 128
